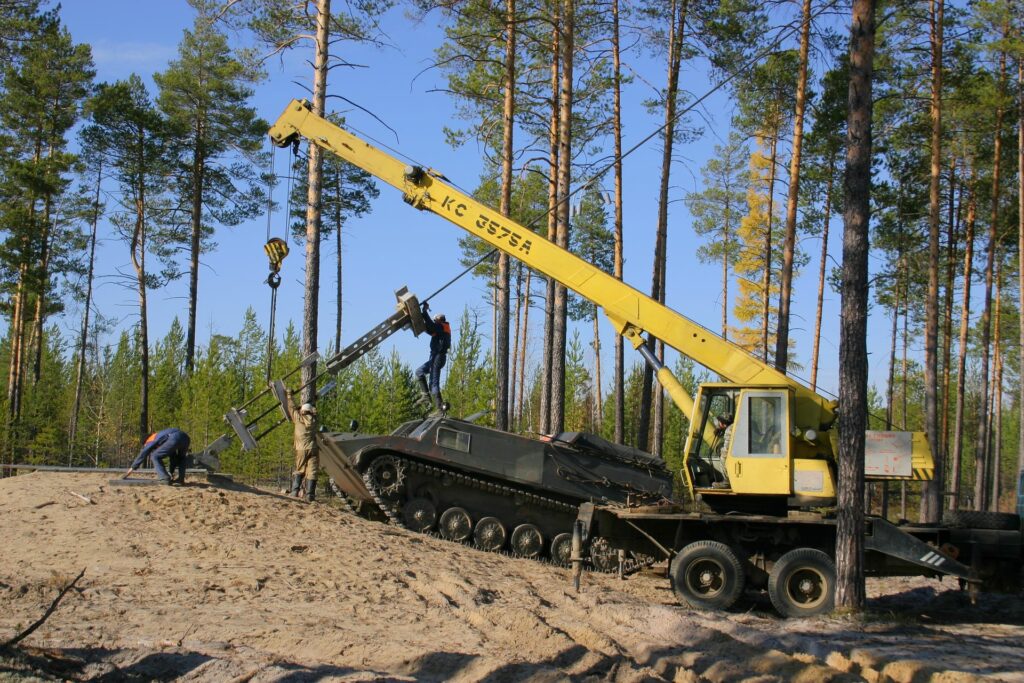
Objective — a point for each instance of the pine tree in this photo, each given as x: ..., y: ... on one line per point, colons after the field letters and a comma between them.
x: 132, y: 135
x: 204, y: 95
x: 282, y: 26
x: 755, y: 262
x: 717, y: 210
x: 41, y: 94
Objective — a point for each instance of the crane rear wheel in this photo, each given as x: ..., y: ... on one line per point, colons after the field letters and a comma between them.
x: 803, y: 583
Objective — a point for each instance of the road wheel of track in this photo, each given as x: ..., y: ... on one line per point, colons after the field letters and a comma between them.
x: 803, y: 583
x: 707, y: 575
x: 561, y: 549
x: 973, y: 519
x: 455, y: 525
x: 419, y: 514
x: 489, y: 534
x: 527, y: 541
x: 603, y: 556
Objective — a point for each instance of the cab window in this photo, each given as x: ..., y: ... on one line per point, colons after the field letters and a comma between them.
x: 450, y: 438
x: 762, y: 430
x: 712, y: 405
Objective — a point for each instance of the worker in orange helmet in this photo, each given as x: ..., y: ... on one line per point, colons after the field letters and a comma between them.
x: 171, y: 443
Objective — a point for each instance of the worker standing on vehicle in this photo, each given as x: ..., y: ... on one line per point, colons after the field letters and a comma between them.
x: 171, y: 443
x: 440, y: 341
x: 307, y: 450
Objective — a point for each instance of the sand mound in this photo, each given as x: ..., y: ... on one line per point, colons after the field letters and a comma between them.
x: 216, y: 584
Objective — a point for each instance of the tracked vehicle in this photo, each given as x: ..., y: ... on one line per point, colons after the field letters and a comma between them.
x: 498, y: 490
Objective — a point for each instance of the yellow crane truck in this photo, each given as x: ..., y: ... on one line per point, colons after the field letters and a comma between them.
x: 760, y: 454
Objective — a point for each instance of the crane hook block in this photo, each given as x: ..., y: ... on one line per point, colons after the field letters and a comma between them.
x: 276, y: 249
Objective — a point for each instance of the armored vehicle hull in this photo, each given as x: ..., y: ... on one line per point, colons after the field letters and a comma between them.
x: 498, y: 490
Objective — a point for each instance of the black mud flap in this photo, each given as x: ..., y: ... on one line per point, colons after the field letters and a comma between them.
x: 888, y: 539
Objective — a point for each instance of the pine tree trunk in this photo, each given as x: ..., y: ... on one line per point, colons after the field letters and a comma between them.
x: 522, y: 349
x: 997, y: 398
x: 620, y: 395
x: 931, y: 495
x: 853, y: 358
x: 39, y: 316
x: 904, y: 364
x: 1020, y: 253
x: 985, y: 324
x: 961, y: 360
x: 138, y: 255
x: 789, y: 242
x: 198, y: 177
x: 597, y: 375
x: 544, y: 426
x: 514, y: 368
x: 766, y: 280
x: 17, y: 335
x: 501, y: 408
x: 565, y: 103
x: 84, y: 336
x: 311, y: 303
x: 648, y: 407
x: 947, y: 317
x: 816, y: 341
x: 339, y: 221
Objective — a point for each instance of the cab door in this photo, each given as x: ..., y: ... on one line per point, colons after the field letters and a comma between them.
x: 758, y: 460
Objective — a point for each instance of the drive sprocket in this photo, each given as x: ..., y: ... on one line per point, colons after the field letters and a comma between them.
x: 387, y: 475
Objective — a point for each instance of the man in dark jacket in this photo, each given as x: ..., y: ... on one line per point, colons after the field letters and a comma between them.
x: 168, y: 443
x: 440, y: 341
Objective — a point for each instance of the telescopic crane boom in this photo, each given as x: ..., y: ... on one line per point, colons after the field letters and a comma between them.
x: 795, y: 464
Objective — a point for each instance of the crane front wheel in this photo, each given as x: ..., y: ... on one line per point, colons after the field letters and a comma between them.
x: 707, y: 575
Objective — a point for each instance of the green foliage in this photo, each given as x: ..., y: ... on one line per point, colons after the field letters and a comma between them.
x: 579, y: 390
x: 593, y: 241
x: 470, y: 383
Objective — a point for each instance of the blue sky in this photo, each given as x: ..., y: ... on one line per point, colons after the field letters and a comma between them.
x: 395, y: 245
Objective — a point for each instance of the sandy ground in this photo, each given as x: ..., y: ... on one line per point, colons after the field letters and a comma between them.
x: 215, y: 584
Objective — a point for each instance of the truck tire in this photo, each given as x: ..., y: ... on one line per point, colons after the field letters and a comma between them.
x: 972, y: 519
x: 803, y: 583
x: 707, y: 575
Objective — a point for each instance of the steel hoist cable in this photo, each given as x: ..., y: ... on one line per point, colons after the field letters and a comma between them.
x: 276, y: 249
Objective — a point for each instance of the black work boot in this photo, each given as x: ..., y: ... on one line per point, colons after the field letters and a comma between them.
x: 310, y: 490
x: 424, y: 396
x: 296, y: 485
x: 438, y: 405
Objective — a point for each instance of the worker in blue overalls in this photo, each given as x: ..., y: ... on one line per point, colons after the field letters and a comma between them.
x: 440, y: 341
x: 170, y: 443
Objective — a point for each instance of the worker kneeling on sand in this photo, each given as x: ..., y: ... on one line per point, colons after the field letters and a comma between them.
x: 171, y: 443
x: 307, y: 450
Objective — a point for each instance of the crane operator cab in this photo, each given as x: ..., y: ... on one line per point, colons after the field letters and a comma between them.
x: 741, y: 441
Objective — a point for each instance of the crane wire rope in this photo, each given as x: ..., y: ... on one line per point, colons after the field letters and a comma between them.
x: 276, y: 249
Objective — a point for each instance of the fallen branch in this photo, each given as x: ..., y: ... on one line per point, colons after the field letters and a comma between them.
x: 42, y: 505
x: 46, y: 615
x: 87, y: 499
